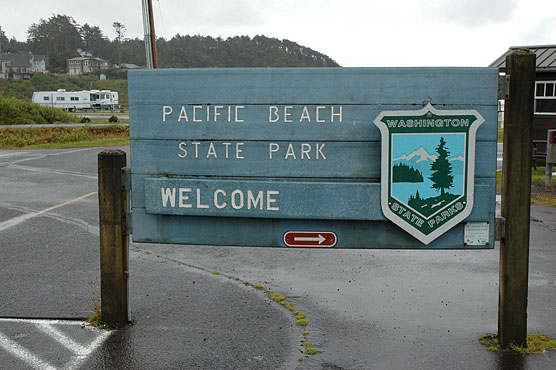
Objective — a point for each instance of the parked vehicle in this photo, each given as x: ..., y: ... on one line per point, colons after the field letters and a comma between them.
x: 73, y: 100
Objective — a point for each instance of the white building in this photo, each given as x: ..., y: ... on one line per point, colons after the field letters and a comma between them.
x: 21, y: 66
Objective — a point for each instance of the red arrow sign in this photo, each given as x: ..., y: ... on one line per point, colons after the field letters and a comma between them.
x: 310, y: 239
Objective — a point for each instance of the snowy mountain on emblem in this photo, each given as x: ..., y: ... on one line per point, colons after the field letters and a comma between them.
x: 420, y: 155
x: 421, y: 160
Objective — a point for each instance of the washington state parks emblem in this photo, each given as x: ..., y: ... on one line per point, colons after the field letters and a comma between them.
x: 428, y: 168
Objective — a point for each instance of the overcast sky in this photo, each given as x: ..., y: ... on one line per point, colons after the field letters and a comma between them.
x: 355, y: 33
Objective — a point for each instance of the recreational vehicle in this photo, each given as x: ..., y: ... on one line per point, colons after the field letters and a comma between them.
x: 105, y: 99
x: 72, y: 100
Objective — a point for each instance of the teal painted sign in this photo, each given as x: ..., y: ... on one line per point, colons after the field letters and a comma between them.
x: 428, y: 168
x: 294, y: 157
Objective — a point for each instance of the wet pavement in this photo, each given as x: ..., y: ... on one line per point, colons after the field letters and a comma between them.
x: 190, y: 320
x: 385, y: 309
x: 366, y: 309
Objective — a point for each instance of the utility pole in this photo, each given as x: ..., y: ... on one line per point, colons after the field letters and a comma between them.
x: 150, y: 36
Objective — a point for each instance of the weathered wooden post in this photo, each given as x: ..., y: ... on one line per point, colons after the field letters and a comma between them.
x: 516, y: 199
x: 113, y: 238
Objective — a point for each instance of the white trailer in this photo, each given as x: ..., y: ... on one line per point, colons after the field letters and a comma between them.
x: 72, y: 100
x: 106, y: 99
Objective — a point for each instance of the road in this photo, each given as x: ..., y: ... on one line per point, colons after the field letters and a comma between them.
x: 105, y: 116
x: 101, y: 114
x: 62, y: 125
x: 367, y: 309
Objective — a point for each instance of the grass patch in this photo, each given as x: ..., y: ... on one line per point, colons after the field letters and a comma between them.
x: 277, y: 297
x: 536, y: 343
x: 541, y: 194
x: 537, y: 175
x: 17, y: 112
x: 286, y: 304
x: 490, y: 341
x: 544, y: 200
x: 96, y: 318
x: 308, y: 349
x: 63, y: 137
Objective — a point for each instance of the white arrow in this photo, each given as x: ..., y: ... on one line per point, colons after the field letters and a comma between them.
x: 319, y: 239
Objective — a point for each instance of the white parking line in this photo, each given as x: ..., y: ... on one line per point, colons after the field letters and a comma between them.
x: 75, y: 221
x: 19, y: 219
x: 48, y: 170
x: 80, y: 352
x: 58, y: 336
x: 62, y: 152
x: 21, y: 353
x: 12, y: 154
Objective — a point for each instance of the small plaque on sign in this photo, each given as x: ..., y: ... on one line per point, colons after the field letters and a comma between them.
x: 476, y: 233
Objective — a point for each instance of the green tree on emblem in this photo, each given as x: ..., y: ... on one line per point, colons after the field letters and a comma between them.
x: 441, y: 176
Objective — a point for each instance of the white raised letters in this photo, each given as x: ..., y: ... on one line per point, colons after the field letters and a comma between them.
x: 297, y: 151
x: 305, y: 114
x: 211, y: 150
x: 238, y: 199
x: 220, y: 113
x: 183, y: 198
x: 166, y: 110
x: 217, y: 203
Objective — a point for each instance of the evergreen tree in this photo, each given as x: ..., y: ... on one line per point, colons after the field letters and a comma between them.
x: 403, y: 173
x: 57, y: 38
x: 441, y: 168
x: 94, y: 40
x: 120, y: 31
x: 3, y: 38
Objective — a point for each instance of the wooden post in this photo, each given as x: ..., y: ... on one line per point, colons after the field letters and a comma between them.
x: 113, y: 240
x: 516, y: 199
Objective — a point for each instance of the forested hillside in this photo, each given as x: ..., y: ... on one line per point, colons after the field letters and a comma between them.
x: 59, y: 37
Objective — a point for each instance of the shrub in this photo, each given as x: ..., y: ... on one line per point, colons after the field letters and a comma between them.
x: 17, y: 112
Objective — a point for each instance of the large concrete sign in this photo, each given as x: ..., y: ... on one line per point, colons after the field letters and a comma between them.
x: 296, y: 157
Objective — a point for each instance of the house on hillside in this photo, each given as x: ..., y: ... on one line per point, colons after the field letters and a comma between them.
x: 545, y: 89
x: 80, y: 65
x: 84, y: 53
x: 21, y: 66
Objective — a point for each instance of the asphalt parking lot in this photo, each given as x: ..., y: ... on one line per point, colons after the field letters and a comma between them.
x: 366, y: 309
